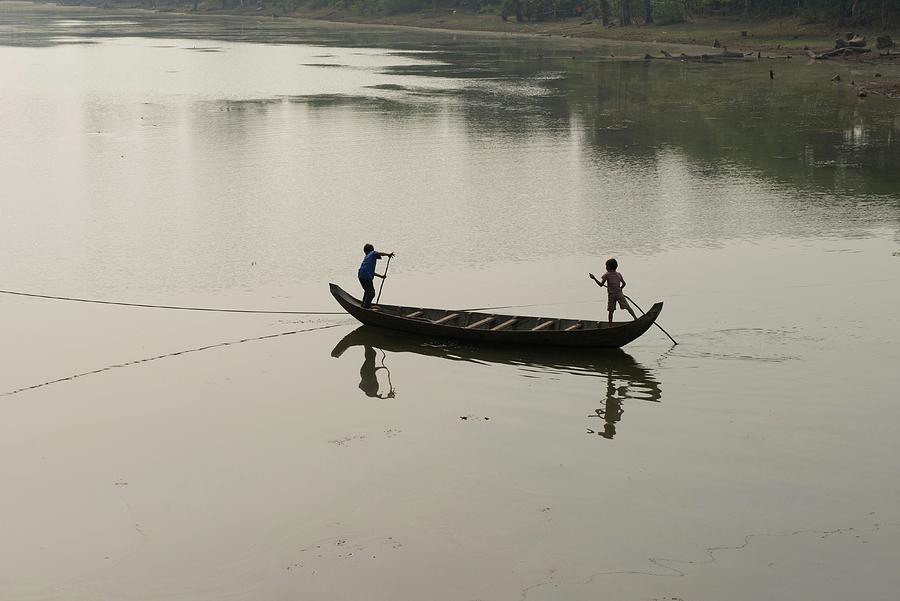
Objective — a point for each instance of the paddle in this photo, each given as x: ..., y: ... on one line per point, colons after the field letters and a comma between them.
x: 639, y: 309
x: 386, y: 267
x: 630, y: 300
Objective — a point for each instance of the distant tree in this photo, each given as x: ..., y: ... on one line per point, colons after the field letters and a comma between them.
x: 667, y: 12
x: 624, y: 12
x: 604, y: 12
x: 512, y: 7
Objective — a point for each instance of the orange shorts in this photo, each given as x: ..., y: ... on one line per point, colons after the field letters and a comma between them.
x: 618, y: 298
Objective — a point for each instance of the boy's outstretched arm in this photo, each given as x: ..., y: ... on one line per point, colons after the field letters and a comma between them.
x: 593, y: 277
x: 381, y: 254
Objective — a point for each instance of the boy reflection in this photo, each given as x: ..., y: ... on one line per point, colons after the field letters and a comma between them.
x: 636, y: 383
x: 368, y: 375
x: 611, y: 412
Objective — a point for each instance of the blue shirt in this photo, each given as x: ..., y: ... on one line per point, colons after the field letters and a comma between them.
x: 367, y: 267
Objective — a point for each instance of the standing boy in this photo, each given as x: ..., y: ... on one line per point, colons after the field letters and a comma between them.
x: 367, y: 273
x: 614, y: 285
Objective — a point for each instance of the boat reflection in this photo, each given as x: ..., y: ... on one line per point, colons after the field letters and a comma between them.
x: 626, y: 379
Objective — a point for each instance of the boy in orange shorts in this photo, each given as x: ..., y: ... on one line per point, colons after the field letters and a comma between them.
x: 614, y: 285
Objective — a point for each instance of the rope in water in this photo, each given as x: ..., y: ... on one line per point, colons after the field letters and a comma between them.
x: 166, y: 356
x: 253, y: 311
x: 174, y: 307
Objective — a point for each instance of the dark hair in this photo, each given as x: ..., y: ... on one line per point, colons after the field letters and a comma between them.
x: 611, y: 264
x: 368, y: 248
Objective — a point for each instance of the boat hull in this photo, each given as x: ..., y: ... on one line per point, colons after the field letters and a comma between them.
x: 392, y: 317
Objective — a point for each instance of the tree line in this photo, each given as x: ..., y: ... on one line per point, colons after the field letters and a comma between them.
x: 872, y: 14
x: 864, y: 13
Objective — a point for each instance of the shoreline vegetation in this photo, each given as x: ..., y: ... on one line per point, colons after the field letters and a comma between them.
x: 790, y: 28
x: 784, y: 36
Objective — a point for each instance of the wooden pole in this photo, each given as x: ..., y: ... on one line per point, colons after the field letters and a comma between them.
x: 639, y: 309
x: 386, y: 267
x: 654, y: 323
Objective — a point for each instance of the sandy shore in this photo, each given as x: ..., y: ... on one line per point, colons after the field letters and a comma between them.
x: 788, y: 36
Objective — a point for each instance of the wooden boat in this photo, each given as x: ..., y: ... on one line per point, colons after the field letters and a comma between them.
x: 481, y: 327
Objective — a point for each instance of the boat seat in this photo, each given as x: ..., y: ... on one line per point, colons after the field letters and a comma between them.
x: 445, y: 318
x: 415, y: 314
x: 504, y: 325
x: 576, y: 326
x: 480, y: 323
x: 543, y: 326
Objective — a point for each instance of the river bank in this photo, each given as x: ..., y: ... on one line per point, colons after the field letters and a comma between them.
x: 786, y: 36
x: 875, y: 72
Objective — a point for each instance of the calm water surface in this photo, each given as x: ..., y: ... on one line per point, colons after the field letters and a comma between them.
x: 150, y: 454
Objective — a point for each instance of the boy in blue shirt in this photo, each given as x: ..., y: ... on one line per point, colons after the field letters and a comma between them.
x: 367, y: 273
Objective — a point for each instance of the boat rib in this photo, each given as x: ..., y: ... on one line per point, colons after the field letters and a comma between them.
x: 480, y: 322
x: 505, y: 324
x: 445, y: 318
